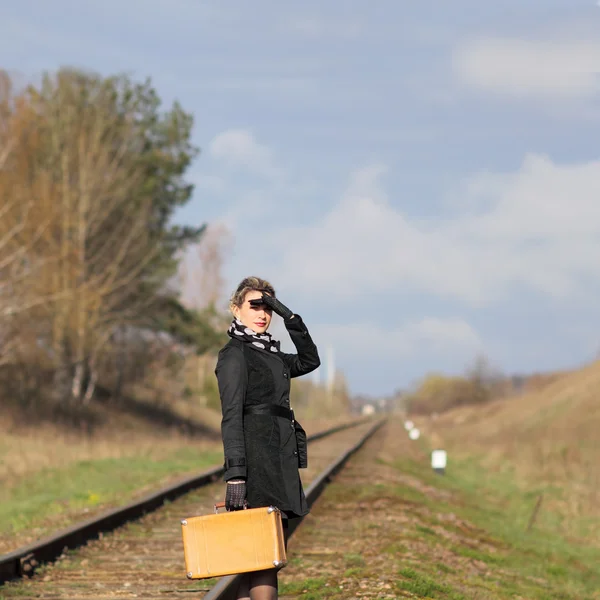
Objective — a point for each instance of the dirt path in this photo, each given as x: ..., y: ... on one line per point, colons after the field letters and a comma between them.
x: 369, y: 531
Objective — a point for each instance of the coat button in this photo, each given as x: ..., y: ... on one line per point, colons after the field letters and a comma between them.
x: 285, y: 375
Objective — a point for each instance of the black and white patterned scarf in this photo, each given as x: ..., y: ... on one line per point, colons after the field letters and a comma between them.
x: 238, y: 331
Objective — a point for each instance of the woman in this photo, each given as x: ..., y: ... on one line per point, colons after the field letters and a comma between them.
x: 258, y: 429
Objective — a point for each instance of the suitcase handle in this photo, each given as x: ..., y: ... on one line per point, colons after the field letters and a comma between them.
x: 219, y: 505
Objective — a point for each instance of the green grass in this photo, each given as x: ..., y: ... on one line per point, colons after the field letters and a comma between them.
x: 425, y: 530
x: 354, y: 560
x: 56, y: 495
x: 312, y: 588
x: 424, y: 586
x: 354, y: 572
x: 539, y: 564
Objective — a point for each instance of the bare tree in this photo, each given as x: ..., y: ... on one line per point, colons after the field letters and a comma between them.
x: 201, y: 273
x: 91, y: 171
x: 78, y: 225
x: 15, y: 212
x: 201, y: 283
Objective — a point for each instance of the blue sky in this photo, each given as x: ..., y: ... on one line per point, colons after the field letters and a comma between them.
x: 419, y: 180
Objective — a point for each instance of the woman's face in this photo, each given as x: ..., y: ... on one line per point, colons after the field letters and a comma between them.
x: 257, y: 318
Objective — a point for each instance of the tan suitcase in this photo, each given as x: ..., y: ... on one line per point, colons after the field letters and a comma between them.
x: 233, y: 542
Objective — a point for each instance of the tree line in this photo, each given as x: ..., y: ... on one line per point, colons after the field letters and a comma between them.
x: 480, y: 384
x: 92, y: 169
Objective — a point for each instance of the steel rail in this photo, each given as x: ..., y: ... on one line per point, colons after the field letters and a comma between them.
x: 226, y: 588
x: 25, y: 560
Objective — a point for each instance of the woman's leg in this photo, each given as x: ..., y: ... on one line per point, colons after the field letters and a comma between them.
x: 286, y: 531
x: 243, y: 592
x: 264, y: 584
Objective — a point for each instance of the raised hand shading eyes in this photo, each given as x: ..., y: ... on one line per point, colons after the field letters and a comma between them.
x: 281, y: 309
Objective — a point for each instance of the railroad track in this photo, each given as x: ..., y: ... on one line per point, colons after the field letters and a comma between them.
x: 144, y: 558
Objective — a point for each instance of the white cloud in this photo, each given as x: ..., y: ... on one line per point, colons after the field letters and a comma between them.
x: 442, y: 334
x: 378, y: 351
x: 239, y: 148
x: 555, y: 69
x: 537, y: 228
x: 428, y: 335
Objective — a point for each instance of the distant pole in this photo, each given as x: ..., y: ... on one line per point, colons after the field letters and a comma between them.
x: 317, y: 376
x: 330, y: 373
x: 536, y: 510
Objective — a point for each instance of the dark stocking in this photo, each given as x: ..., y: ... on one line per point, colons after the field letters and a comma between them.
x: 262, y: 585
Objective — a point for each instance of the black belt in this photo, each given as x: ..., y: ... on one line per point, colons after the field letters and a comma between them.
x: 269, y: 409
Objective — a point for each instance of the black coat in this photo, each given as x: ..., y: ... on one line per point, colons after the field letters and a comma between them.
x: 262, y: 448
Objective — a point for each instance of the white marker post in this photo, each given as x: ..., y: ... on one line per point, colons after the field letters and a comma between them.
x: 368, y: 409
x: 414, y: 434
x: 438, y: 461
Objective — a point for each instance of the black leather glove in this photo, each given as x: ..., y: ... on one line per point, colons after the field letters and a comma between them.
x: 235, y: 496
x: 281, y: 309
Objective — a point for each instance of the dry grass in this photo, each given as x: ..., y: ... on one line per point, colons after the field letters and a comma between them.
x: 548, y: 439
x: 55, y: 473
x: 30, y: 446
x: 27, y: 448
x: 26, y: 451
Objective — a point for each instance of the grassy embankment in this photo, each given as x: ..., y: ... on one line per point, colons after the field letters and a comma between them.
x: 544, y: 444
x: 527, y: 471
x: 473, y: 533
x: 488, y: 552
x: 54, y: 475
x: 422, y: 535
